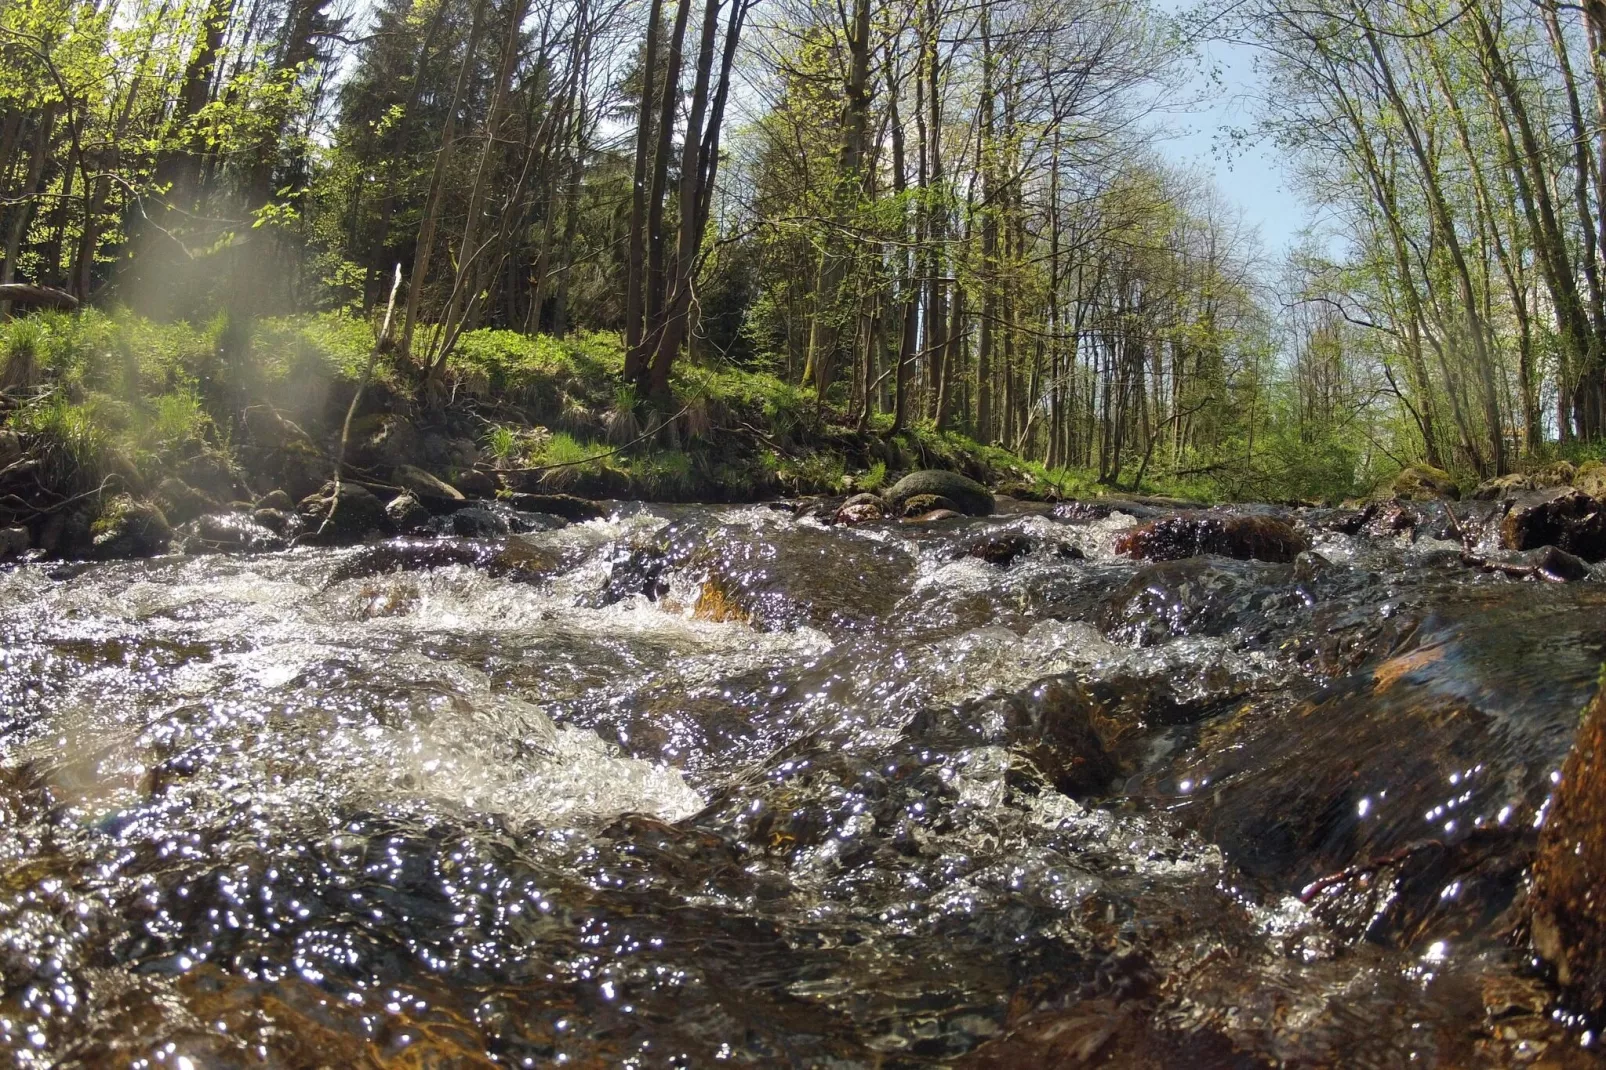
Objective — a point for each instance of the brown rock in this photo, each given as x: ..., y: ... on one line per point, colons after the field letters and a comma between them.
x: 1564, y: 517
x: 859, y: 509
x: 1172, y: 538
x: 934, y: 515
x: 476, y: 484
x: 433, y: 493
x: 1568, y: 919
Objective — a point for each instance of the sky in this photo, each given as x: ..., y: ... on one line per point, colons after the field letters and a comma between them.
x: 1251, y: 178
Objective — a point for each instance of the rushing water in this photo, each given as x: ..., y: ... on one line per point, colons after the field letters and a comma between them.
x: 697, y: 787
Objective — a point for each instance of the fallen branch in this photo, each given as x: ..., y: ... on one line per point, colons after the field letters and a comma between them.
x: 22, y: 293
x: 351, y: 410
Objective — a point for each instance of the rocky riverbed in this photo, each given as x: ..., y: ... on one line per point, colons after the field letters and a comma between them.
x: 847, y: 783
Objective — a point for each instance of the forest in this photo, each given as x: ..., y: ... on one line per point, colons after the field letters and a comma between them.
x: 910, y: 217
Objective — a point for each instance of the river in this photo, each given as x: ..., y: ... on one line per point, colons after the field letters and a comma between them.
x: 698, y: 786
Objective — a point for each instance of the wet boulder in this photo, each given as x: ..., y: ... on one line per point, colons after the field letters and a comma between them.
x: 1172, y: 538
x: 1558, y: 566
x: 282, y: 522
x: 933, y: 516
x: 1563, y: 517
x: 567, y: 506
x: 1421, y: 771
x: 1568, y: 907
x: 229, y: 533
x: 477, y: 522
x: 129, y: 527
x: 1192, y: 596
x: 350, y: 514
x: 433, y: 493
x: 966, y: 494
x: 1423, y: 482
x: 407, y: 514
x: 859, y: 509
x: 1005, y: 546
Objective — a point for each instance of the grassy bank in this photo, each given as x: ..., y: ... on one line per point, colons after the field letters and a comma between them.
x: 111, y: 402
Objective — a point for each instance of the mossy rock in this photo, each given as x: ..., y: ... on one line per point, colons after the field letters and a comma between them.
x: 1591, y: 479
x: 964, y: 493
x: 1555, y: 474
x: 921, y: 504
x: 129, y: 527
x: 181, y: 502
x: 1424, y: 483
x: 1502, y: 487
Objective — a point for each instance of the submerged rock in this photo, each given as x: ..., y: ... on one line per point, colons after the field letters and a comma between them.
x: 1565, y: 517
x: 1423, y: 482
x: 1172, y: 538
x: 279, y: 521
x: 1423, y: 771
x: 130, y: 527
x: 964, y: 493
x: 1568, y: 913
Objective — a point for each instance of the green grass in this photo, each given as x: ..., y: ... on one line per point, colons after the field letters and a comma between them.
x: 117, y: 392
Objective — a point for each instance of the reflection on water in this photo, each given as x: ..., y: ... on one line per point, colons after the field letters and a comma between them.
x: 715, y: 786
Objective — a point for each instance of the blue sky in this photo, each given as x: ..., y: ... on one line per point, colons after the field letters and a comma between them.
x: 1252, y: 177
